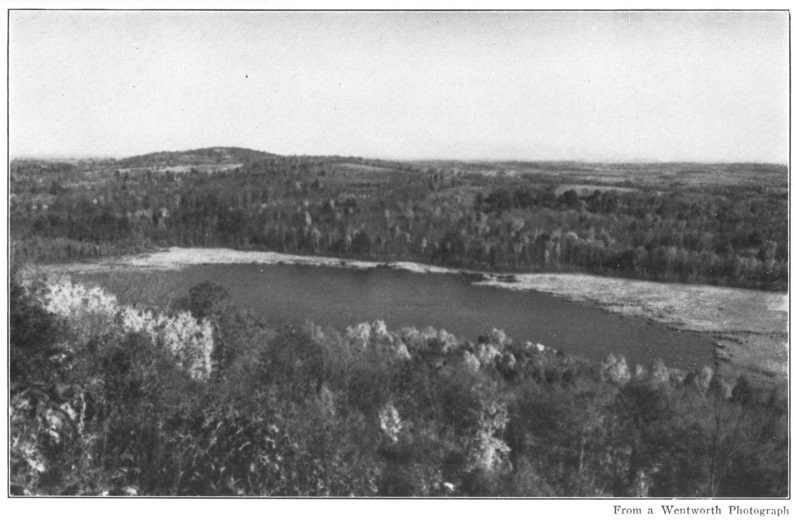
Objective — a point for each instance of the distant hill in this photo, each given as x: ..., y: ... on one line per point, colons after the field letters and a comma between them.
x: 215, y: 155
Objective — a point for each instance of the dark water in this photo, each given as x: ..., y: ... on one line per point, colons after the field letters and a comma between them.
x: 342, y: 297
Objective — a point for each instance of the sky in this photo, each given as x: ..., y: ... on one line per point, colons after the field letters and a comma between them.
x: 591, y: 86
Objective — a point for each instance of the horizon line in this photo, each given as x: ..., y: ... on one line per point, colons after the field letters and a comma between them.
x: 118, y: 157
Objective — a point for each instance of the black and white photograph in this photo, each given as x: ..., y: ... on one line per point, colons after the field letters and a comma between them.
x: 439, y: 254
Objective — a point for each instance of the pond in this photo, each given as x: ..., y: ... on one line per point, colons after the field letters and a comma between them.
x: 340, y: 297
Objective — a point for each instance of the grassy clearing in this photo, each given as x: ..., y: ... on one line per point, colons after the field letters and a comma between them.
x: 750, y: 326
x: 585, y: 190
x: 363, y: 168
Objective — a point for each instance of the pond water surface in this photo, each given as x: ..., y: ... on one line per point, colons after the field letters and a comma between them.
x: 340, y: 297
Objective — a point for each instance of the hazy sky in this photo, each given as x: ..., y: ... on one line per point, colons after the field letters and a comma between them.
x: 702, y: 86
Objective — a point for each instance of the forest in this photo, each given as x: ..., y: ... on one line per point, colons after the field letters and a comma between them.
x: 723, y: 224
x: 200, y: 397
x: 204, y: 399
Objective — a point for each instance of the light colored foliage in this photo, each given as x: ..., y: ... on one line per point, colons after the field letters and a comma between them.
x: 90, y: 311
x: 390, y: 423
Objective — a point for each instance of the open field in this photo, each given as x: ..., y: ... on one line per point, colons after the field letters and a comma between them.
x: 586, y: 190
